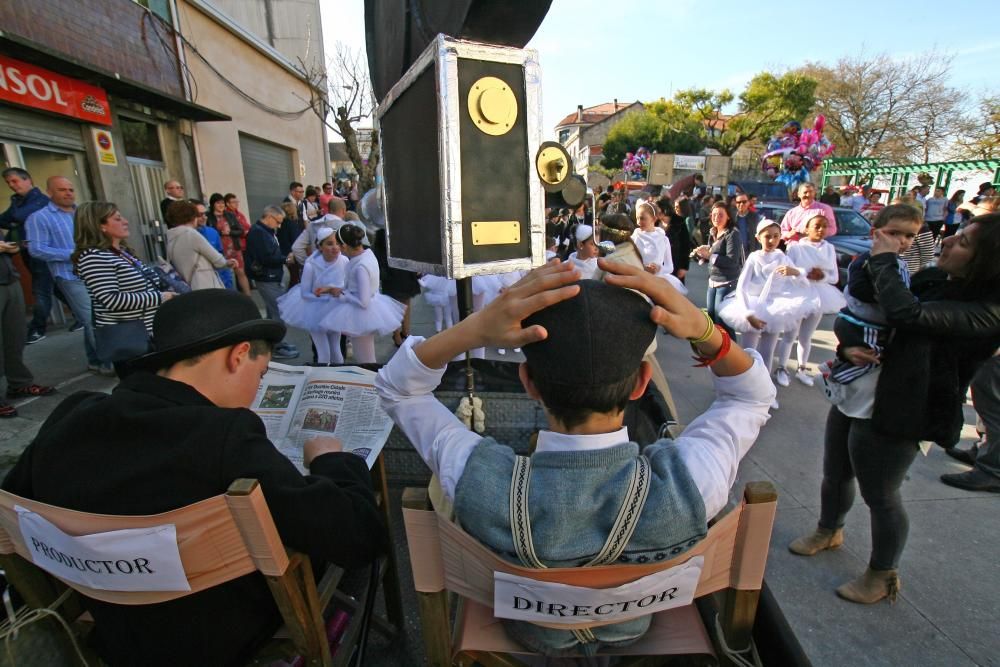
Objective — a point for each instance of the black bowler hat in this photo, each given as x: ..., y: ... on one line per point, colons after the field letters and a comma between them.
x: 202, y: 321
x: 596, y: 338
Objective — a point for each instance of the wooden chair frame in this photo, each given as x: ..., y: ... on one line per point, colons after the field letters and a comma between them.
x: 735, y: 549
x: 242, y: 538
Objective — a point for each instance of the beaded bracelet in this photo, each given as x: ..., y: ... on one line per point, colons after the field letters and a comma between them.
x: 710, y: 329
x: 704, y: 361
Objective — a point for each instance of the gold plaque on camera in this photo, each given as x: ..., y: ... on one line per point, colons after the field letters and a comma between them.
x: 496, y: 232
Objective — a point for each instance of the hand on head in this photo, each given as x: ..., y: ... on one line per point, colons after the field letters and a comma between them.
x: 883, y: 243
x: 671, y: 309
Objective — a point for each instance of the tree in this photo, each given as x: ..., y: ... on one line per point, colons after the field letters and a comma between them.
x: 767, y: 103
x: 897, y: 110
x: 645, y: 128
x: 978, y: 138
x: 348, y: 100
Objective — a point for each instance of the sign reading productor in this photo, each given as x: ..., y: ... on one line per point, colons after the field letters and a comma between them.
x: 523, y: 599
x: 138, y: 559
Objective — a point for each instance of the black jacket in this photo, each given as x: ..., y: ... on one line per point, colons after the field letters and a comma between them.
x: 680, y: 243
x: 156, y: 445
x: 727, y: 257
x: 264, y: 258
x: 942, y: 335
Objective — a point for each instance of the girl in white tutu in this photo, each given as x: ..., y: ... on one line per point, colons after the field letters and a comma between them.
x: 438, y: 292
x: 303, y: 306
x: 770, y: 296
x: 584, y: 258
x: 816, y: 259
x: 654, y: 246
x: 360, y: 310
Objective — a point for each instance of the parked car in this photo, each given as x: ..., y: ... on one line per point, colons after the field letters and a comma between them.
x: 853, y: 237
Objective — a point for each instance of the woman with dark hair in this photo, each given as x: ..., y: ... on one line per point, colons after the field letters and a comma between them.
x: 238, y: 242
x: 953, y: 217
x: 674, y: 221
x: 946, y: 324
x: 360, y: 310
x: 231, y: 233
x: 725, y: 254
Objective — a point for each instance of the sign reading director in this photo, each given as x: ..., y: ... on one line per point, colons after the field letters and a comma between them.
x: 139, y: 559
x: 524, y: 599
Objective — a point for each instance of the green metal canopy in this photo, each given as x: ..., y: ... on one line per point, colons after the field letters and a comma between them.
x: 862, y: 170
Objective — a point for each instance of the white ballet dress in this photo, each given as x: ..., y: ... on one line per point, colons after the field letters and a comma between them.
x: 586, y: 267
x: 654, y: 248
x: 778, y: 301
x: 362, y: 310
x: 299, y: 306
x: 438, y: 290
x: 806, y: 255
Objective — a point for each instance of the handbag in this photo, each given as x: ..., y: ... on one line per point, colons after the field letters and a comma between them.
x: 121, y: 341
x: 168, y: 275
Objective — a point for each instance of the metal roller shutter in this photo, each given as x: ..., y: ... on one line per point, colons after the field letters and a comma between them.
x: 267, y: 171
x: 32, y: 128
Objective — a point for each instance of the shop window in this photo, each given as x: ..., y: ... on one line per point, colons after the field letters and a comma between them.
x: 159, y: 7
x: 141, y: 139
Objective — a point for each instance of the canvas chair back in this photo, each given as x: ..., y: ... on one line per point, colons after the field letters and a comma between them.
x: 444, y: 557
x: 219, y: 539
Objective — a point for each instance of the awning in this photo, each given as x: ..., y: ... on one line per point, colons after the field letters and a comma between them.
x: 36, y: 54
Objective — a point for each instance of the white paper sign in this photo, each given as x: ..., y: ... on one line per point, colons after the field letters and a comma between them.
x: 139, y: 559
x: 524, y: 599
x: 696, y: 162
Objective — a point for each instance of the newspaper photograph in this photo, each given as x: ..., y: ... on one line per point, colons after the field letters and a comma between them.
x: 301, y: 402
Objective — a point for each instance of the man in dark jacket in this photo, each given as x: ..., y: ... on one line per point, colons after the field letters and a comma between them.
x: 746, y: 223
x: 26, y: 200
x: 176, y: 431
x: 265, y: 262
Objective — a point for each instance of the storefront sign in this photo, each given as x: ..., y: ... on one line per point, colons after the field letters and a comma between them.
x: 692, y: 162
x: 40, y: 88
x: 105, y: 147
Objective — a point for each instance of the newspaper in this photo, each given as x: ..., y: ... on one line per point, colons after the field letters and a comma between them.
x: 300, y: 402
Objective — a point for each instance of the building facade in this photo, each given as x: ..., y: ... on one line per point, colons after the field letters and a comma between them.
x: 122, y: 95
x: 583, y: 134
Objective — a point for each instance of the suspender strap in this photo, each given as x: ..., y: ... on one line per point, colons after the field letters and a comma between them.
x: 520, y: 522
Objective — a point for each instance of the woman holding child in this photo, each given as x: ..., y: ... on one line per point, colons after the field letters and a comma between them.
x: 946, y: 323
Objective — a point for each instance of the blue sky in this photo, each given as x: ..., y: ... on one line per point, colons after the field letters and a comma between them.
x: 593, y: 52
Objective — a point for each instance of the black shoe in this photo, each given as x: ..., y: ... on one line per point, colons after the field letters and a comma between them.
x: 34, y: 337
x: 974, y: 480
x: 966, y: 456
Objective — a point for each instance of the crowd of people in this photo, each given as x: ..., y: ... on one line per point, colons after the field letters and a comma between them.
x: 191, y: 347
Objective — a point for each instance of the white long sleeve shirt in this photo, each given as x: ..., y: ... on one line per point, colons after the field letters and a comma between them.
x: 712, y: 445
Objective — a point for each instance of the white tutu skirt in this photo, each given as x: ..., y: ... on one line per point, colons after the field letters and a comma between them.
x: 783, y: 302
x: 382, y: 316
x: 675, y: 282
x: 437, y: 299
x: 831, y: 299
x: 304, y: 312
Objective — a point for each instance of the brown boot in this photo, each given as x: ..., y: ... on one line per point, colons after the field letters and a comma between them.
x: 816, y: 541
x: 871, y: 587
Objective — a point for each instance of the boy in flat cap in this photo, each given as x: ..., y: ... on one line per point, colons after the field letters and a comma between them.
x: 584, y: 342
x: 175, y: 431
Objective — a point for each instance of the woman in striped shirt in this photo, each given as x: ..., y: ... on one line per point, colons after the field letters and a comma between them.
x: 120, y: 287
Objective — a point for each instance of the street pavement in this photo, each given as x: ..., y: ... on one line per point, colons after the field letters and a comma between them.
x: 946, y: 613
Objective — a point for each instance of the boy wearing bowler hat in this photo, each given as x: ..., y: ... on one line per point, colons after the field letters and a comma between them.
x: 178, y: 430
x: 584, y: 342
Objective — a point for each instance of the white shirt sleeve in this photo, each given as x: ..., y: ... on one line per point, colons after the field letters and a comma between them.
x: 405, y: 386
x: 716, y: 441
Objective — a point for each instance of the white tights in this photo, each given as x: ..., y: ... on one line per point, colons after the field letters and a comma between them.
x: 327, y: 347
x: 765, y: 342
x: 807, y: 327
x: 442, y: 318
x: 364, y: 348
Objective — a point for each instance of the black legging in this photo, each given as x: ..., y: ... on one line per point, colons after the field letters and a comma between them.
x: 854, y: 449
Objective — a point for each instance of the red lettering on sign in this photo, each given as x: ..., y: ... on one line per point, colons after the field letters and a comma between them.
x: 32, y: 86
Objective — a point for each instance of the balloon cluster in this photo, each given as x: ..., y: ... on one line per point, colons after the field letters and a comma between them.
x: 635, y: 164
x: 793, y: 153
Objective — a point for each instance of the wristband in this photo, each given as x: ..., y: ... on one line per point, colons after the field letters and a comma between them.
x: 704, y: 361
x: 710, y: 328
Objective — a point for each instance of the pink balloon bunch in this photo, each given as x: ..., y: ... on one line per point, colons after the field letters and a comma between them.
x: 793, y: 153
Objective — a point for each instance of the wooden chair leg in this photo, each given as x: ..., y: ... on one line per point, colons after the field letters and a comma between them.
x: 738, y: 608
x: 390, y: 577
x: 299, y: 606
x: 435, y: 623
